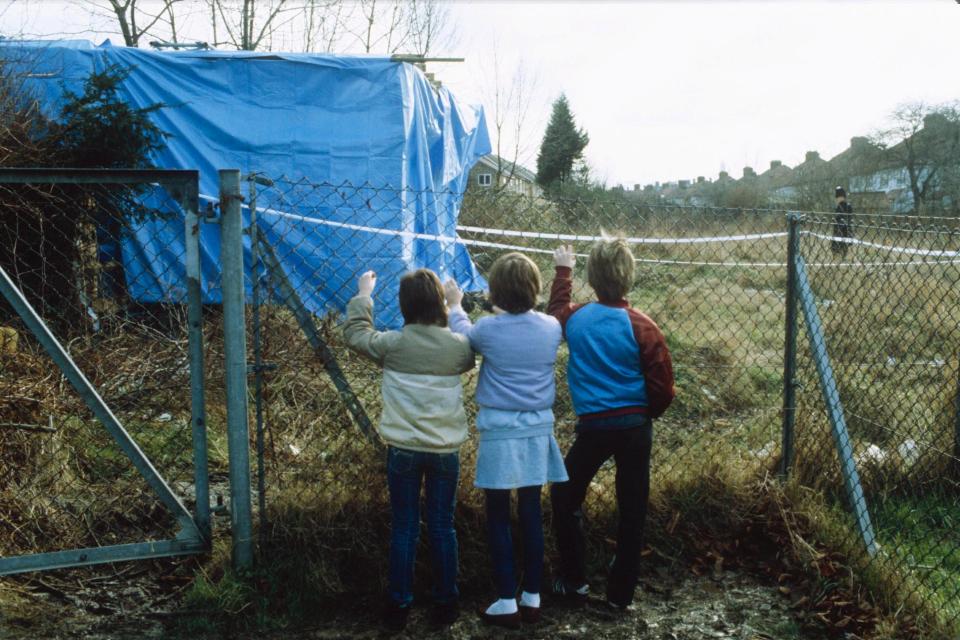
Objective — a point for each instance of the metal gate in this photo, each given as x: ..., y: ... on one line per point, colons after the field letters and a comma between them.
x: 102, y: 473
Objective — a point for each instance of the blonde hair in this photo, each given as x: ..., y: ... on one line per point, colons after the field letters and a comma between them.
x: 610, y: 268
x: 514, y: 283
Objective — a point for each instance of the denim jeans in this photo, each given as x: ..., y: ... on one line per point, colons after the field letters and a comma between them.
x: 630, y: 449
x: 501, y: 545
x: 406, y: 471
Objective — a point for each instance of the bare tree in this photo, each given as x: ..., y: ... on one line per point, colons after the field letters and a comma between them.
x: 135, y: 22
x: 510, y: 96
x: 430, y: 26
x: 370, y: 26
x: 924, y: 141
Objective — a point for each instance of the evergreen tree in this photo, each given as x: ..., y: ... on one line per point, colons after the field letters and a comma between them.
x: 99, y: 129
x: 562, y: 145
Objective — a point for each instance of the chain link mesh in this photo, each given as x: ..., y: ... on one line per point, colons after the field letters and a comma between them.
x: 720, y: 303
x: 713, y: 279
x: 67, y: 247
x: 889, y: 300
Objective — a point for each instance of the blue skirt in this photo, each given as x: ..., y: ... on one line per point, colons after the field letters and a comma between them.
x: 517, y: 449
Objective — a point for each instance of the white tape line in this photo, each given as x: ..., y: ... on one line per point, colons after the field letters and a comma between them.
x: 579, y: 238
x: 512, y: 247
x: 875, y: 245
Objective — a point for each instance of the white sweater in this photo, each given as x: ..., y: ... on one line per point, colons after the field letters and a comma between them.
x: 422, y: 394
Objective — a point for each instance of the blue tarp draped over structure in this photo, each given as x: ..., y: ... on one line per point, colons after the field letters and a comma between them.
x: 364, y: 121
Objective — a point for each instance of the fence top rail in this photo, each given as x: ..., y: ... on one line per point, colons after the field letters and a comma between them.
x: 97, y: 176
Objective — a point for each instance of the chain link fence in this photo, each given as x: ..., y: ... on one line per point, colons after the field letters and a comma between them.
x: 714, y: 280
x: 103, y: 266
x: 889, y: 301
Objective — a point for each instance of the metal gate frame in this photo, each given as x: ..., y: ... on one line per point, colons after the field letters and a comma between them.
x: 194, y: 534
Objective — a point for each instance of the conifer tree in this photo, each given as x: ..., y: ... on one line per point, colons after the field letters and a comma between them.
x: 562, y: 145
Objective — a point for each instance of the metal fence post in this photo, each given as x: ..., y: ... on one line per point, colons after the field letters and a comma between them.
x: 956, y: 415
x: 831, y: 398
x: 790, y: 347
x: 195, y: 323
x: 235, y: 354
x: 256, y: 268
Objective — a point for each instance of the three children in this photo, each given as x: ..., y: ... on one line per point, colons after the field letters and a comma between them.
x: 620, y: 379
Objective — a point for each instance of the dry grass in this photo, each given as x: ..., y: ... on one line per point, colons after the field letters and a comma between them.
x: 715, y: 450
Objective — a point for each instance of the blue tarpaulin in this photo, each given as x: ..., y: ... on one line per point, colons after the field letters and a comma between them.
x: 379, y: 125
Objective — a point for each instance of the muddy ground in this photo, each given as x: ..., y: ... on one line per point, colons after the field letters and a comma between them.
x: 731, y: 605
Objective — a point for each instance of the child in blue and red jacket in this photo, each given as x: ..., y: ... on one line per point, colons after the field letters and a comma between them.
x: 621, y: 379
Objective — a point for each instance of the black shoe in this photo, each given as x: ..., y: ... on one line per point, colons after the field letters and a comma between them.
x: 617, y: 607
x: 444, y: 615
x: 620, y: 591
x: 505, y: 620
x: 571, y: 594
x: 529, y: 615
x: 394, y: 617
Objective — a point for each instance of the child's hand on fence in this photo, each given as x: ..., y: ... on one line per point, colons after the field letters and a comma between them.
x: 452, y: 293
x: 563, y: 256
x: 367, y: 282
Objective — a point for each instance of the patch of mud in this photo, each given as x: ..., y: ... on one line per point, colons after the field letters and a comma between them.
x: 728, y: 606
x: 733, y: 607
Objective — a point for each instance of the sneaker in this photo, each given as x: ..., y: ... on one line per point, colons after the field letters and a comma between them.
x: 444, y: 615
x: 394, y: 617
x: 577, y: 595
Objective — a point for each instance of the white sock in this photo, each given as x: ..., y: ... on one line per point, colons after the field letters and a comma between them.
x: 530, y: 600
x: 503, y: 606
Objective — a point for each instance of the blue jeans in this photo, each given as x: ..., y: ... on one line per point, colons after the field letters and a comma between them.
x: 501, y: 545
x: 405, y: 471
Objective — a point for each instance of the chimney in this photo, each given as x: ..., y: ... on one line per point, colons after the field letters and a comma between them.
x: 701, y: 179
x: 636, y: 187
x: 748, y: 172
x: 811, y: 156
x: 775, y: 164
x: 724, y: 175
x: 683, y: 184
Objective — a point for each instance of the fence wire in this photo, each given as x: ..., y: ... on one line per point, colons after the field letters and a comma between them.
x: 103, y: 266
x: 99, y: 265
x: 889, y: 299
x: 712, y: 279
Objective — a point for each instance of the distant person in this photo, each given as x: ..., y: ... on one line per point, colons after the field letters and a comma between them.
x: 517, y: 448
x: 621, y: 378
x: 843, y: 223
x: 423, y: 423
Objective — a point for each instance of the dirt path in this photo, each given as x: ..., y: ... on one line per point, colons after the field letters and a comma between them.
x: 735, y: 607
x: 732, y: 606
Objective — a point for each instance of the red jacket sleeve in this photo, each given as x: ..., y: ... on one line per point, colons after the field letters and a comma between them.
x: 656, y: 363
x: 560, y: 306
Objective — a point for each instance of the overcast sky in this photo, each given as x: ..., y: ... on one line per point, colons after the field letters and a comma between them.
x: 681, y: 89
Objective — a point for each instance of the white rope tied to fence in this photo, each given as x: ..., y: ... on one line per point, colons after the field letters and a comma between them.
x: 414, y: 235
x: 891, y: 249
x: 632, y: 240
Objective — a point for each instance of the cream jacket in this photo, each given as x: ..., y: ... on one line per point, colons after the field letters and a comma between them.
x: 422, y: 394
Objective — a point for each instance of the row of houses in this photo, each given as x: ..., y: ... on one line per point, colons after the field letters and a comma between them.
x: 920, y: 171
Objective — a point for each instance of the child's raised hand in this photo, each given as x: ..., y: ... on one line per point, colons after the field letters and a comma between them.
x: 452, y: 293
x: 366, y: 284
x: 564, y: 256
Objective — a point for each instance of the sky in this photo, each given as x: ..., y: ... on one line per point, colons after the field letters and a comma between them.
x: 675, y: 90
